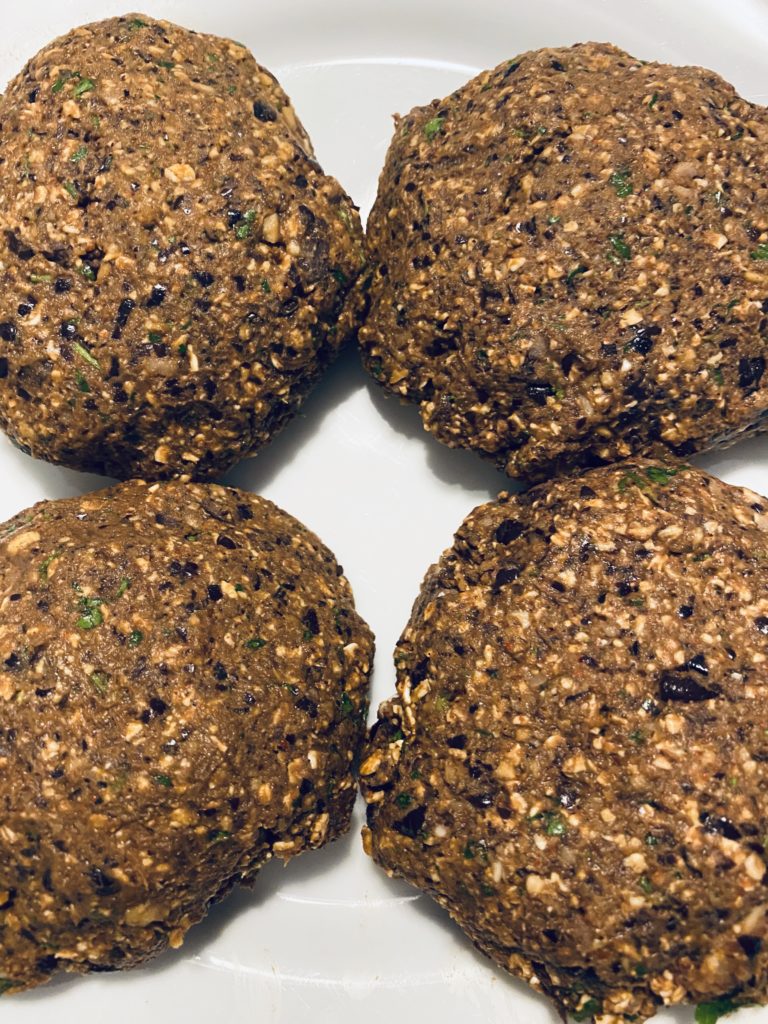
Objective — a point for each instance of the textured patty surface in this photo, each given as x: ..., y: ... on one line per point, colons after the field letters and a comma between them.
x: 570, y: 262
x: 183, y: 684
x: 173, y: 261
x: 575, y: 762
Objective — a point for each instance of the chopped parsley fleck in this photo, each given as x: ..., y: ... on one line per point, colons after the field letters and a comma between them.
x: 40, y: 278
x: 554, y: 825
x: 83, y: 86
x: 645, y: 885
x: 255, y: 644
x: 265, y: 285
x: 218, y: 835
x: 637, y: 736
x: 88, y: 272
x: 80, y: 154
x: 61, y: 81
x: 155, y: 337
x: 622, y: 183
x: 653, y: 101
x: 619, y: 249
x: 137, y: 23
x: 83, y: 352
x: 82, y: 383
x: 135, y: 637
x: 71, y: 187
x: 5, y: 985
x: 434, y: 127
x: 99, y: 681
x: 716, y: 374
x: 90, y: 613
x: 182, y: 349
x: 651, y: 840
x: 660, y: 474
x: 125, y: 585
x: 165, y: 63
x: 163, y: 780
x: 760, y: 253
x: 403, y: 799
x: 589, y: 1009
x: 552, y: 219
x: 339, y: 276
x: 710, y: 1013
x: 244, y: 229
x: 46, y: 564
x: 571, y: 276
x: 345, y: 705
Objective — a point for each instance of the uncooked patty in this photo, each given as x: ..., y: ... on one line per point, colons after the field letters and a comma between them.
x: 173, y: 260
x: 570, y: 262
x: 575, y: 763
x: 183, y: 685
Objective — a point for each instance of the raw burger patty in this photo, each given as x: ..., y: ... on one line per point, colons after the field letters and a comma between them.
x: 575, y: 763
x: 173, y: 261
x: 183, y: 685
x: 570, y: 262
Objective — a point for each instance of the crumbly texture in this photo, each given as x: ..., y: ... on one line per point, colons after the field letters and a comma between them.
x: 571, y: 262
x: 183, y: 684
x: 174, y: 262
x: 575, y: 762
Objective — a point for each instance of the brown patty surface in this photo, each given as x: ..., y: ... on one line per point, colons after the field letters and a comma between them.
x: 183, y: 685
x: 173, y: 261
x: 571, y: 262
x: 575, y: 761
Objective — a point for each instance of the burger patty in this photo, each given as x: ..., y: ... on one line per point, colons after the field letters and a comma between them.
x: 571, y: 262
x: 575, y: 761
x: 183, y: 682
x: 174, y: 261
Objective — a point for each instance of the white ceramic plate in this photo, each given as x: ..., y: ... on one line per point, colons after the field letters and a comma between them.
x: 329, y: 939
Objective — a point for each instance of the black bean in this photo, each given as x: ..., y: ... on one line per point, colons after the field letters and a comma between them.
x: 504, y: 576
x: 750, y: 371
x: 420, y: 672
x: 762, y: 623
x: 481, y: 800
x: 412, y: 823
x: 685, y: 611
x: 103, y: 883
x: 204, y: 278
x: 305, y: 704
x: 539, y: 391
x: 7, y: 331
x: 124, y: 310
x: 226, y: 542
x: 61, y: 285
x: 683, y: 688
x: 309, y: 619
x: 508, y: 530
x: 720, y: 825
x: 157, y: 295
x: 751, y: 945
x: 214, y: 592
x: 557, y: 66
x: 698, y: 663
x: 263, y: 111
x: 457, y: 742
x: 158, y: 705
x: 3, y: 367
x: 642, y: 338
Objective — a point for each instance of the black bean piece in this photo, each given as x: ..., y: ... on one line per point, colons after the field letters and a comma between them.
x: 678, y: 687
x: 698, y: 663
x: 124, y: 310
x: 156, y: 296
x: 762, y: 623
x: 204, y: 278
x: 412, y: 823
x: 309, y: 619
x: 104, y: 884
x: 214, y: 592
x: 504, y: 576
x: 751, y: 371
x: 7, y: 331
x: 508, y: 530
x: 263, y: 112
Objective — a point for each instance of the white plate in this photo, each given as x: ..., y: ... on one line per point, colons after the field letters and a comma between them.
x: 329, y: 939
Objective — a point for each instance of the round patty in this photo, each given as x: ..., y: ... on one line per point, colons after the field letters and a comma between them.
x: 174, y: 261
x: 183, y: 683
x: 570, y: 262
x: 575, y: 763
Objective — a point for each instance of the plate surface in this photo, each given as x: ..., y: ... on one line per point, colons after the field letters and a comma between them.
x: 328, y: 938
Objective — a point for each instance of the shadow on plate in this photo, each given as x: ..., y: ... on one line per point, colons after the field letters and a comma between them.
x: 742, y: 457
x: 240, y: 901
x: 455, y: 466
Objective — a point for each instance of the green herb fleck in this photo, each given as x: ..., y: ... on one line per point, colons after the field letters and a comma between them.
x: 83, y: 86
x: 760, y: 253
x: 60, y: 82
x: 660, y: 474
x: 716, y: 374
x: 652, y: 840
x: 125, y: 585
x: 339, y: 276
x: 88, y: 272
x: 619, y: 249
x: 653, y: 101
x: 244, y: 229
x: 163, y: 780
x: 137, y: 23
x: 571, y: 276
x: 182, y: 349
x: 218, y: 835
x: 40, y: 278
x: 239, y: 588
x: 403, y: 799
x: 345, y: 705
x: 82, y: 383
x: 434, y: 127
x: 589, y: 1009
x: 155, y: 337
x: 165, y: 63
x: 90, y: 614
x: 554, y: 825
x: 710, y: 1013
x: 83, y: 352
x: 265, y: 285
x: 622, y: 183
x: 80, y: 154
x: 255, y: 644
x: 552, y: 219
x: 645, y: 885
x: 46, y: 564
x: 637, y: 736
x: 71, y: 187
x: 99, y: 681
x: 135, y: 637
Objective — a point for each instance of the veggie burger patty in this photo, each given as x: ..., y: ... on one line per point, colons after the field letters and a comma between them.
x: 183, y: 682
x: 571, y: 262
x: 174, y: 260
x: 575, y: 761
